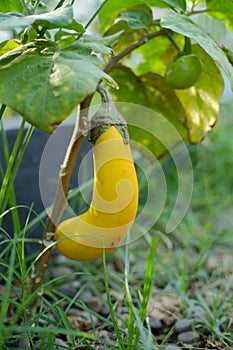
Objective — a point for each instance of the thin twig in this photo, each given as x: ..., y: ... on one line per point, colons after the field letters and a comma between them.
x: 133, y: 47
x: 92, y: 18
x: 95, y: 14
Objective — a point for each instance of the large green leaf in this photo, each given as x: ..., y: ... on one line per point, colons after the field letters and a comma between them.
x: 55, y: 19
x: 44, y: 83
x: 201, y: 102
x: 221, y: 9
x: 130, y: 89
x: 185, y: 26
x: 112, y: 8
x: 150, y: 90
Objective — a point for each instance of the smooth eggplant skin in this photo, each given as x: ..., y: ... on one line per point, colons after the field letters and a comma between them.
x: 113, y: 206
x: 184, y: 72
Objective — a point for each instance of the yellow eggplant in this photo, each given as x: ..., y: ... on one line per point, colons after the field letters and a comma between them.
x: 113, y: 206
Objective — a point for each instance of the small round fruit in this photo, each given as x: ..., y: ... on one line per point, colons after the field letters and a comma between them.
x: 184, y: 72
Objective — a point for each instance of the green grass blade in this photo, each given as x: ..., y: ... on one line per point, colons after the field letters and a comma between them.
x: 130, y: 322
x: 5, y: 301
x: 147, y: 285
x: 15, y: 159
x: 111, y: 310
x: 8, y: 172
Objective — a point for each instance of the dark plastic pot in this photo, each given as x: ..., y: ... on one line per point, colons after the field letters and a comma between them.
x: 27, y: 181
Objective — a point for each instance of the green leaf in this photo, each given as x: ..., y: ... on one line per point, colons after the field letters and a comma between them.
x: 10, y: 5
x: 131, y: 88
x: 91, y: 43
x: 201, y: 102
x: 180, y: 4
x: 185, y: 26
x: 221, y: 9
x: 111, y: 40
x: 127, y: 35
x: 150, y: 90
x: 55, y: 19
x: 229, y: 54
x: 223, y: 6
x: 44, y: 83
x: 137, y: 17
x: 74, y: 25
x: 152, y: 56
x: 162, y: 98
x: 112, y: 8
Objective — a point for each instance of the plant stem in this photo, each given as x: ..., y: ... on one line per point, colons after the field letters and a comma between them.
x: 187, y: 46
x: 95, y: 14
x: 28, y: 9
x: 60, y: 201
x: 133, y: 47
x: 92, y: 18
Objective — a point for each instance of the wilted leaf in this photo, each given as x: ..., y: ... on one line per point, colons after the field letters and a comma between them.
x: 44, y: 83
x: 185, y: 26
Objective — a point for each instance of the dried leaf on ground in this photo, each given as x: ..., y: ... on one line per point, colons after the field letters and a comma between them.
x: 166, y: 308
